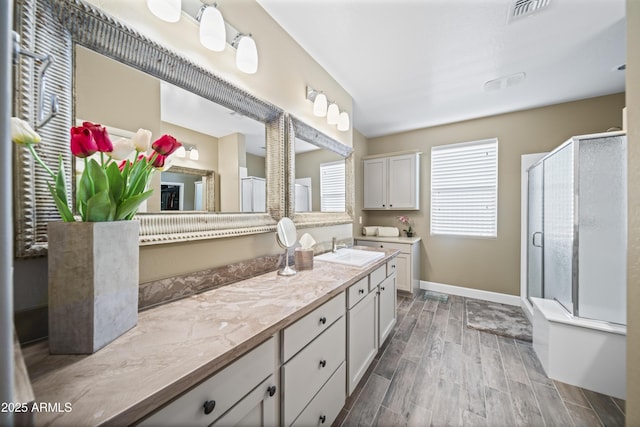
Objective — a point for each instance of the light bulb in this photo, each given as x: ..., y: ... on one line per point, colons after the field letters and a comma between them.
x: 193, y: 154
x: 213, y: 34
x: 167, y: 10
x: 181, y: 152
x: 320, y: 105
x: 333, y: 114
x: 247, y: 55
x: 343, y: 121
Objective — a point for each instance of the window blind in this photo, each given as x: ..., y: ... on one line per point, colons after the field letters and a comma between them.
x: 332, y: 186
x: 464, y: 188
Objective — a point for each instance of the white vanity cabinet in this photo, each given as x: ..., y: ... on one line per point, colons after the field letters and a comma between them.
x: 392, y: 182
x: 244, y: 392
x: 387, y: 303
x: 406, y: 264
x: 313, y: 373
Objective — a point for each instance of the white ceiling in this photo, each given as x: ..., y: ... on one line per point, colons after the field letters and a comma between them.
x: 410, y: 64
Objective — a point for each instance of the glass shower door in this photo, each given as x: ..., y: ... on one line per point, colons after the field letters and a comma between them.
x: 534, y: 232
x: 558, y: 208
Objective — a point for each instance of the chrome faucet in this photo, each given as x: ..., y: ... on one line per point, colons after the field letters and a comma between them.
x: 335, y: 246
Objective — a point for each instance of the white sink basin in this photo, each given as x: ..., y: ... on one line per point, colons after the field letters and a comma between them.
x: 349, y: 256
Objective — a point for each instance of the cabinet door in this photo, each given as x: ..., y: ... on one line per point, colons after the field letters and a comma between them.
x: 403, y: 182
x: 387, y: 316
x: 375, y: 184
x: 363, y: 338
x: 258, y: 408
x: 403, y: 272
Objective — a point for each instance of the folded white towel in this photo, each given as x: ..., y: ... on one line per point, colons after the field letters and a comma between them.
x: 388, y: 232
x: 369, y: 231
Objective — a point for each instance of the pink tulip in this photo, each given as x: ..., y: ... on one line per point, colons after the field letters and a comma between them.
x: 122, y: 164
x: 100, y: 135
x: 165, y: 145
x: 82, y: 142
x: 158, y: 160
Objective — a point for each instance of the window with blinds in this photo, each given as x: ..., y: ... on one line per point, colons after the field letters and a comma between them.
x: 332, y: 186
x: 464, y: 189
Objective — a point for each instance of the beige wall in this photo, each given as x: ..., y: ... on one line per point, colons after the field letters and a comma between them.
x: 360, y: 216
x: 633, y: 255
x: 491, y: 264
x: 256, y: 166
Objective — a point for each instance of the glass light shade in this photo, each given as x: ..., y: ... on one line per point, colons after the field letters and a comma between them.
x: 333, y: 114
x: 193, y: 154
x: 213, y: 34
x: 343, y: 121
x: 167, y: 10
x: 181, y: 152
x: 320, y: 105
x: 247, y: 55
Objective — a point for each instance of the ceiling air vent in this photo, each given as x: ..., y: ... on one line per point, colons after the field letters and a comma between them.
x: 522, y: 8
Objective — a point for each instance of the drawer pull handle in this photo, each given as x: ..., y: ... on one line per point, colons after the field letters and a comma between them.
x: 208, y: 406
x: 271, y: 390
x: 323, y: 320
x: 323, y: 418
x: 361, y: 291
x: 323, y: 363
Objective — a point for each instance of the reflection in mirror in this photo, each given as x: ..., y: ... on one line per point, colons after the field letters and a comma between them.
x: 229, y: 145
x: 320, y: 183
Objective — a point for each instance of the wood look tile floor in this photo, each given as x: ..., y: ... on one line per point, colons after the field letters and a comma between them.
x: 433, y: 370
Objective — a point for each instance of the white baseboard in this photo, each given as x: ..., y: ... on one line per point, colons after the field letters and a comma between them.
x: 471, y: 293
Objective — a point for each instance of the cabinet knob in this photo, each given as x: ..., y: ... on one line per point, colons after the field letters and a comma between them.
x: 382, y: 287
x: 383, y: 206
x: 271, y: 390
x: 382, y: 246
x: 361, y: 291
x: 390, y: 206
x: 323, y: 320
x: 208, y: 406
x: 323, y: 363
x: 323, y: 418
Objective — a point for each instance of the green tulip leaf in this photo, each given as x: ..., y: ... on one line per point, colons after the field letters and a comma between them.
x: 116, y: 181
x: 129, y: 207
x: 99, y: 207
x: 61, y: 188
x: 63, y: 208
x: 98, y: 177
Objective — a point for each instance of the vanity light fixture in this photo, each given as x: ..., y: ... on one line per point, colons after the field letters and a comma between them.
x: 320, y: 109
x: 246, y: 54
x: 333, y: 114
x: 213, y: 34
x: 194, y: 154
x: 167, y: 10
x: 181, y: 152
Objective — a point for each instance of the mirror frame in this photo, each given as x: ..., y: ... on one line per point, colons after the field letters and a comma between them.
x: 209, y: 188
x: 296, y: 128
x: 55, y: 27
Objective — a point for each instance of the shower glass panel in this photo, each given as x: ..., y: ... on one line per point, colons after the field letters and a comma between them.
x: 559, y: 226
x: 534, y: 232
x: 603, y: 238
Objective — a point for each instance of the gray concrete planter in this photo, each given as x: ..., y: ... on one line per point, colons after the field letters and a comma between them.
x: 93, y: 284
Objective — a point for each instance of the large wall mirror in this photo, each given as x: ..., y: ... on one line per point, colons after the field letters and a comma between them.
x: 320, y: 187
x: 123, y: 80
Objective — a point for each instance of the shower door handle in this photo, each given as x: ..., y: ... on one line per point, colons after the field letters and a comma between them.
x: 536, y: 239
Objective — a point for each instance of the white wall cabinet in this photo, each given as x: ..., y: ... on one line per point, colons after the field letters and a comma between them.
x: 392, y: 182
x: 407, y: 263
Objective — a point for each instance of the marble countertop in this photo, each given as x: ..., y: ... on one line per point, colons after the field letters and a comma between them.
x: 177, y: 345
x: 399, y: 239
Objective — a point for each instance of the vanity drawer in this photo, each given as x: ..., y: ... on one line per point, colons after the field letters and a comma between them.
x: 391, y: 267
x: 296, y: 336
x: 377, y: 276
x: 226, y: 388
x: 402, y: 247
x: 305, y: 374
x: 325, y: 407
x: 357, y: 291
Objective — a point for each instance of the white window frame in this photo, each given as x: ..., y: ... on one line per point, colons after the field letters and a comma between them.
x: 459, y: 172
x: 339, y: 165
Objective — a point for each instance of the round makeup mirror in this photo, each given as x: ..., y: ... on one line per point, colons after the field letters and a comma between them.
x: 287, y: 236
